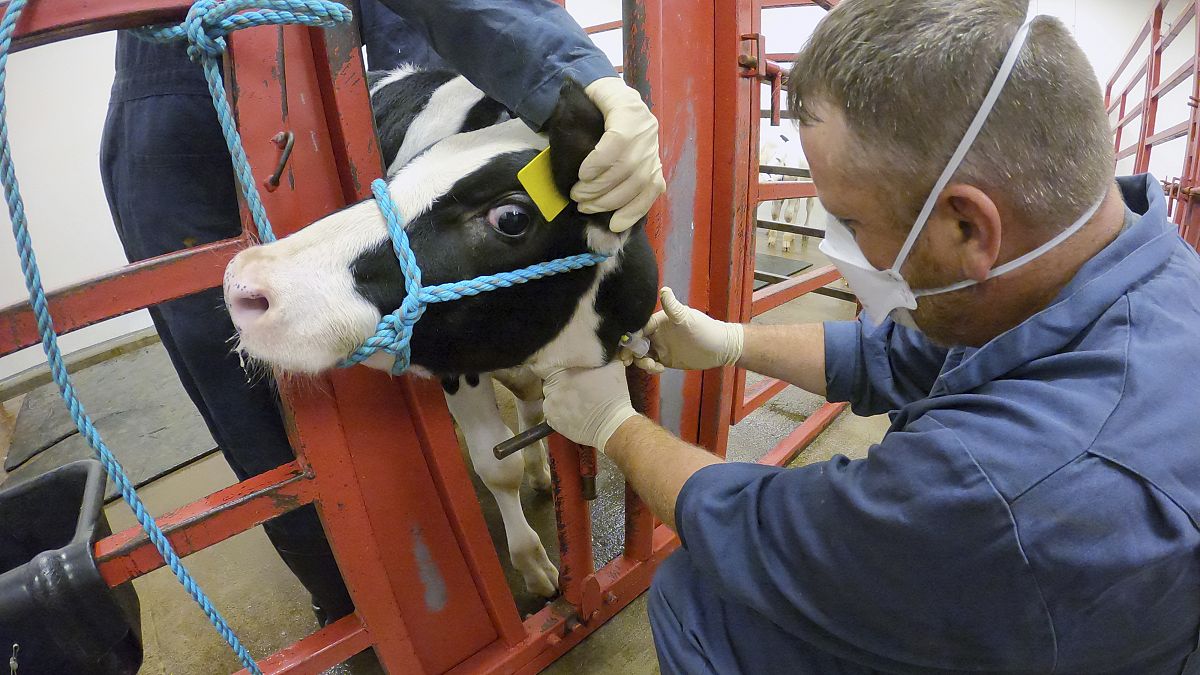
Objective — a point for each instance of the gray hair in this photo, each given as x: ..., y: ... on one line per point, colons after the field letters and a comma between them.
x: 909, y: 75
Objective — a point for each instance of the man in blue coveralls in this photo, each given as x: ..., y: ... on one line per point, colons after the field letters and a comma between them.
x: 170, y: 185
x: 1031, y: 326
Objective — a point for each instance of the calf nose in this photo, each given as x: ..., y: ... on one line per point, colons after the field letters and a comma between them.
x: 247, y: 303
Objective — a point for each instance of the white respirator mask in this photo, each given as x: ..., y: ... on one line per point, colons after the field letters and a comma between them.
x: 885, y: 293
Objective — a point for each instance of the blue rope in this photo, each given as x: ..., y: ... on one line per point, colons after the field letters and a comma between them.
x: 204, y: 28
x: 393, y: 335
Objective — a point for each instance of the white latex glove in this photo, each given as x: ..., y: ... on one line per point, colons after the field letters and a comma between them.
x: 587, y: 405
x: 623, y: 174
x: 687, y: 339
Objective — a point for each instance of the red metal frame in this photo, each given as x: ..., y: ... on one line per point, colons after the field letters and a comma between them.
x: 726, y: 399
x: 383, y: 491
x: 1182, y: 191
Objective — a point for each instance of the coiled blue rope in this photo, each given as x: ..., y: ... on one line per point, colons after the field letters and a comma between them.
x: 393, y: 335
x: 204, y: 28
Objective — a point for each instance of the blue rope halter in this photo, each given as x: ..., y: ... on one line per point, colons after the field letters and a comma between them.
x: 393, y: 335
x: 204, y: 28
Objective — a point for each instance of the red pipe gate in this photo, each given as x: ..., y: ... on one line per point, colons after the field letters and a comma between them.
x: 1126, y: 106
x: 382, y: 488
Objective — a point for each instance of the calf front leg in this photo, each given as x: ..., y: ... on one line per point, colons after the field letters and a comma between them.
x: 526, y: 388
x: 537, y: 464
x: 473, y: 405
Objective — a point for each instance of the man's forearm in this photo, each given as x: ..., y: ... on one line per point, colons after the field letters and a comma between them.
x: 655, y: 463
x: 794, y: 354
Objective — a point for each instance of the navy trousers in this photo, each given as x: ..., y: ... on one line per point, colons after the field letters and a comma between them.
x: 170, y: 185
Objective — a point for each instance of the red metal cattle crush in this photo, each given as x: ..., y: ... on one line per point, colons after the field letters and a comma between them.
x: 378, y: 487
x: 1155, y: 37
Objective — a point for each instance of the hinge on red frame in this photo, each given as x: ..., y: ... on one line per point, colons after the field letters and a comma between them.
x: 754, y: 64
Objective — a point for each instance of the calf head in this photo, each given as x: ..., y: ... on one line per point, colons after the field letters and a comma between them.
x: 302, y: 304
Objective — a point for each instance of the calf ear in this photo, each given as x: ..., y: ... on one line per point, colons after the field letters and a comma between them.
x: 574, y: 129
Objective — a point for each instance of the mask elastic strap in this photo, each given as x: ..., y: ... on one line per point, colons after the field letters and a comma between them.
x: 956, y: 160
x: 1023, y: 260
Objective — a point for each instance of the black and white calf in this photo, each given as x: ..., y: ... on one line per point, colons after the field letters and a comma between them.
x: 305, y: 302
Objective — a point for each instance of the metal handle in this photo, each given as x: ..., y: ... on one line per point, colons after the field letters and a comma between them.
x: 285, y: 140
x: 522, y: 440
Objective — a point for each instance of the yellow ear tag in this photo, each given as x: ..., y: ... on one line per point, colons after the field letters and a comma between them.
x: 538, y: 180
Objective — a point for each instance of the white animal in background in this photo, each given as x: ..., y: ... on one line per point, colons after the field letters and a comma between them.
x: 779, y: 150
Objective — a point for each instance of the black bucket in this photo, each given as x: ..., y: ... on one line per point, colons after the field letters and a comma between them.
x: 54, y: 605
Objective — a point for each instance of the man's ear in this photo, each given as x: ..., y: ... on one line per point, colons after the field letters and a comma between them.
x: 574, y: 129
x: 979, y: 229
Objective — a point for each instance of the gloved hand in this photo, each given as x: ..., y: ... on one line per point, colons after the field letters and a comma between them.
x: 687, y: 339
x: 587, y: 405
x: 623, y: 174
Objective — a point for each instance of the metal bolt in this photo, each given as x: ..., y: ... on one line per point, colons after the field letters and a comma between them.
x: 748, y: 61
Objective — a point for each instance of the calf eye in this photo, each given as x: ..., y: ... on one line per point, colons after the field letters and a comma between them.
x: 511, y: 220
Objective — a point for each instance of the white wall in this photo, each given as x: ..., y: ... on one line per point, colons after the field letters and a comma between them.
x: 58, y: 94
x: 1105, y: 30
x: 57, y: 98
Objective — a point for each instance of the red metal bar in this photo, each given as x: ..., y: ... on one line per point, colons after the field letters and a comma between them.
x: 557, y: 628
x: 129, y: 553
x: 755, y: 398
x: 49, y: 21
x: 1176, y: 78
x: 795, y: 442
x: 603, y: 27
x: 320, y: 651
x: 786, y: 190
x: 575, y: 574
x: 131, y: 288
x: 271, y: 75
x: 735, y: 172
x: 1177, y: 27
x: 1153, y: 76
x: 436, y: 430
x: 1178, y: 131
x: 650, y: 30
x: 783, y: 292
x: 1131, y: 115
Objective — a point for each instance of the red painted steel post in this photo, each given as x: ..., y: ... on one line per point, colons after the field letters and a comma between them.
x: 574, y: 525
x: 395, y: 543
x: 669, y: 59
x: 1150, y: 102
x: 736, y: 122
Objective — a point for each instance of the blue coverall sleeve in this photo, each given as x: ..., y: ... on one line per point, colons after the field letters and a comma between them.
x: 878, y: 369
x: 909, y: 556
x: 518, y: 53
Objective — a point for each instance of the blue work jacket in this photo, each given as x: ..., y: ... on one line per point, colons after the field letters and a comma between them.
x: 518, y: 53
x: 1033, y: 507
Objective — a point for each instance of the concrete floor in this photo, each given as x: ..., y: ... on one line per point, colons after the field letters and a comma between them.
x: 270, y: 610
